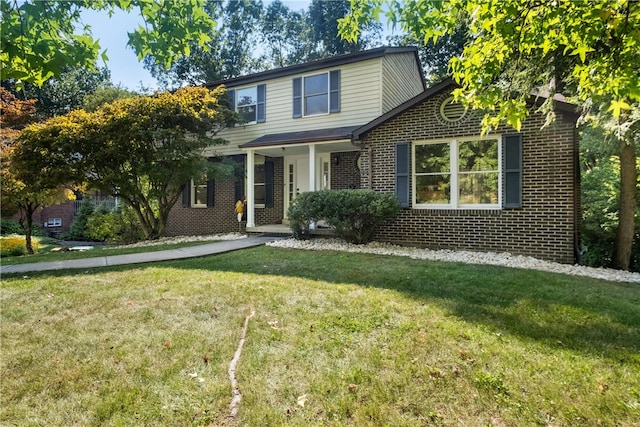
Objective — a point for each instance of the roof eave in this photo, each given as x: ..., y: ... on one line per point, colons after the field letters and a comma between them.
x: 316, y: 65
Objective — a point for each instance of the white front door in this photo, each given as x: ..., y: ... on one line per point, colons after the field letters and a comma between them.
x: 296, y: 180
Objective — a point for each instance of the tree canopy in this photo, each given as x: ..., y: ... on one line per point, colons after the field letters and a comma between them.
x: 41, y: 38
x: 287, y: 37
x: 142, y: 149
x: 26, y: 184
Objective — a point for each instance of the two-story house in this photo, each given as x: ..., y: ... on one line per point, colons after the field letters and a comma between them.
x: 296, y: 135
x: 366, y: 120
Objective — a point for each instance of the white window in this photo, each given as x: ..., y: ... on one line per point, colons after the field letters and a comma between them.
x: 53, y: 222
x: 247, y: 104
x: 199, y: 193
x: 316, y: 94
x: 259, y: 185
x: 458, y: 173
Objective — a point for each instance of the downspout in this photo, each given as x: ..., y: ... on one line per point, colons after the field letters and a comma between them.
x: 369, y: 170
x: 369, y: 149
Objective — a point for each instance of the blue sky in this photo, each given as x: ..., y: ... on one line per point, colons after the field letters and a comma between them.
x: 123, y: 62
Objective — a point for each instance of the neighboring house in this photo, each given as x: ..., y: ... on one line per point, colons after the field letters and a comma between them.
x: 296, y: 136
x: 365, y: 120
x: 506, y: 191
x: 57, y: 219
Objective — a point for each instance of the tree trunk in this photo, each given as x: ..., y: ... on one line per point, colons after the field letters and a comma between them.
x: 28, y: 229
x: 626, y: 223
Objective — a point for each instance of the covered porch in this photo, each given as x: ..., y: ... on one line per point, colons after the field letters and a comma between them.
x: 310, y: 160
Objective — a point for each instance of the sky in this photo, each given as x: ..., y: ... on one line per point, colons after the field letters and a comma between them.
x: 123, y: 63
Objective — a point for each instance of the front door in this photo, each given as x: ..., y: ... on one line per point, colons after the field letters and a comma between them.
x: 296, y: 169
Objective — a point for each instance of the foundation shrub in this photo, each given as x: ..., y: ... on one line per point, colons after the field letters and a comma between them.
x: 354, y: 214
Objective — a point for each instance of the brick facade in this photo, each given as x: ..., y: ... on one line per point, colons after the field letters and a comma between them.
x: 221, y: 218
x: 545, y: 227
x: 345, y: 173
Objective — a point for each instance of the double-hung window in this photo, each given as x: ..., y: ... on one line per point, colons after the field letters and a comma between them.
x: 199, y: 193
x: 457, y: 173
x: 316, y: 94
x: 249, y: 103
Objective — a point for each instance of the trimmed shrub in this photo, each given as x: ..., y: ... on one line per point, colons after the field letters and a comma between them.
x: 303, y: 211
x: 354, y: 214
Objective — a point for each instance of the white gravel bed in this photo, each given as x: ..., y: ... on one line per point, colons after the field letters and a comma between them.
x: 184, y: 239
x: 490, y: 258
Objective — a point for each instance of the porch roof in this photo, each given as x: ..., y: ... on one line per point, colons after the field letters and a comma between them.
x: 301, y: 137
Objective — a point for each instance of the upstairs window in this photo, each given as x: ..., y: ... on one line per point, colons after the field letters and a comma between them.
x: 316, y: 94
x: 249, y: 103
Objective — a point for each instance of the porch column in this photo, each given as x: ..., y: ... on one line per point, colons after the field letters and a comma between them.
x: 312, y: 167
x: 251, y: 222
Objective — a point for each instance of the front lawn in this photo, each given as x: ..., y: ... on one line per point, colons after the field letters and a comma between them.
x: 337, y: 339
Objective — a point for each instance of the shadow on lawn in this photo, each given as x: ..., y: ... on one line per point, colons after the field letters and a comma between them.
x: 560, y: 311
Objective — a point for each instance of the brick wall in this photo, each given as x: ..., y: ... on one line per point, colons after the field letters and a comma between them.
x: 545, y: 227
x: 345, y: 173
x: 221, y: 218
x: 64, y: 211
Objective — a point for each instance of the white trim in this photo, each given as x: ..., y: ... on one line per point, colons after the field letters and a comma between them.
x: 235, y: 107
x: 251, y: 222
x: 312, y: 167
x: 454, y: 202
x: 302, y: 92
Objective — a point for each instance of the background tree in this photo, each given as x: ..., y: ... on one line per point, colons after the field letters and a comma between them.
x: 40, y: 39
x: 228, y: 52
x: 289, y: 37
x: 27, y: 180
x: 63, y: 93
x: 104, y: 95
x: 141, y: 150
x: 586, y: 49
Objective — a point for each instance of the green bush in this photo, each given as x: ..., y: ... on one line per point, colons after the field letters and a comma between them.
x: 354, y: 214
x: 303, y: 211
x: 10, y: 226
x: 78, y: 229
x: 119, y: 226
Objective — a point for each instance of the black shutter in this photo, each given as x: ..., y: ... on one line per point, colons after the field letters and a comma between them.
x: 232, y: 104
x: 297, y: 97
x: 512, y: 171
x: 403, y: 171
x: 211, y: 191
x: 186, y: 195
x: 334, y: 91
x: 239, y: 184
x: 268, y: 184
x: 262, y: 97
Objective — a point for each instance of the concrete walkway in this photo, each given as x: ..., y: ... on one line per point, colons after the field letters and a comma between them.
x: 168, y: 255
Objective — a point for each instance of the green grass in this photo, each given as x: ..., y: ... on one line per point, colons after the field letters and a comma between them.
x: 45, y: 253
x: 370, y: 340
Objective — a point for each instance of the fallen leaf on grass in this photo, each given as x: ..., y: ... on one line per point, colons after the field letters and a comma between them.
x: 274, y: 324
x: 302, y: 400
